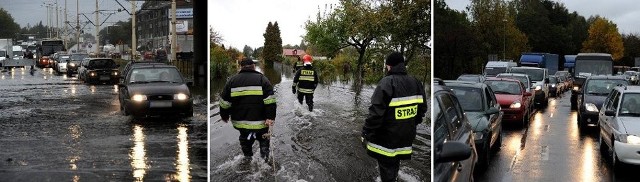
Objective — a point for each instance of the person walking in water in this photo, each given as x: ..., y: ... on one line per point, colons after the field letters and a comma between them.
x: 305, y: 82
x: 398, y: 104
x: 248, y: 100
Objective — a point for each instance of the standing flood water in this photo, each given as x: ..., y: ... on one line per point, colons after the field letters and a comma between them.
x: 323, y: 145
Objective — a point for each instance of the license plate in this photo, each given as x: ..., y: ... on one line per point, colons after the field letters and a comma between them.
x: 103, y: 78
x: 159, y: 104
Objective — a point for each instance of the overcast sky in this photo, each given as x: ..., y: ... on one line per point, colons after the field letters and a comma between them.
x: 243, y: 22
x: 625, y: 13
x: 33, y: 11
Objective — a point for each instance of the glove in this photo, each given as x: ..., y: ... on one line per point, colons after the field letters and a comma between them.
x: 293, y: 90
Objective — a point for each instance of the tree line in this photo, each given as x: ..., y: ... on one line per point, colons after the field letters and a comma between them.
x: 464, y: 40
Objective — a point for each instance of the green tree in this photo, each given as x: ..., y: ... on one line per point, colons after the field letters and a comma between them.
x: 411, y: 25
x: 631, y: 48
x: 604, y: 37
x: 272, y: 44
x: 247, y: 51
x: 494, y: 26
x: 9, y: 27
x: 455, y: 47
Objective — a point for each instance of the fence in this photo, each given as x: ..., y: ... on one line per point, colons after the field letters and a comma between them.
x: 184, y: 63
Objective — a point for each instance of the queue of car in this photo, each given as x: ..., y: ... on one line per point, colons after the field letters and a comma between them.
x: 464, y: 142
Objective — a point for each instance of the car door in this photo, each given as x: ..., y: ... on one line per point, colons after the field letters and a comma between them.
x: 441, y: 133
x: 495, y: 120
x: 462, y: 132
x: 606, y: 122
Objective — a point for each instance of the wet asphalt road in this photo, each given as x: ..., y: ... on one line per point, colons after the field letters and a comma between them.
x: 323, y: 145
x: 55, y: 128
x: 552, y: 149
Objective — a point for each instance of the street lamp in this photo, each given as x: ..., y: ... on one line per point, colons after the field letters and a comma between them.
x: 504, y: 40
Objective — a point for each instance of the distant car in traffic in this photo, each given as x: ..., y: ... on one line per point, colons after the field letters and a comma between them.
x: 526, y: 81
x: 556, y: 86
x: 454, y: 149
x: 483, y: 112
x: 75, y: 60
x: 471, y: 78
x: 619, y: 127
x: 151, y: 89
x: 99, y: 70
x: 592, y: 95
x: 513, y: 99
x: 539, y: 78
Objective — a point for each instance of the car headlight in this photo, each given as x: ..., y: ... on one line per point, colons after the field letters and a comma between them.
x: 515, y: 105
x: 478, y: 135
x: 576, y: 88
x: 180, y: 96
x: 591, y: 107
x: 92, y: 74
x: 115, y: 73
x: 553, y: 85
x: 632, y: 139
x: 139, y: 98
x: 538, y: 87
x: 72, y: 64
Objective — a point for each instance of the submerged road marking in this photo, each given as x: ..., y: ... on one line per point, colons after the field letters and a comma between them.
x: 544, y: 153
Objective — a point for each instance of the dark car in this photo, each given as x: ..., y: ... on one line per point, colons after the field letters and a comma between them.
x: 454, y: 145
x: 99, y: 70
x: 556, y: 86
x: 471, y: 78
x: 74, y: 62
x: 592, y: 95
x: 483, y: 111
x: 161, y: 56
x: 149, y: 90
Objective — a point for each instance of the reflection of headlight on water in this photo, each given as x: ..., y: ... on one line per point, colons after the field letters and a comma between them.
x: 183, y: 155
x: 138, y: 154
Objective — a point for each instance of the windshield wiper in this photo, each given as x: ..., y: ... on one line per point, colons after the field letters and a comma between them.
x: 503, y: 92
x: 597, y: 93
x: 139, y: 82
x: 159, y: 81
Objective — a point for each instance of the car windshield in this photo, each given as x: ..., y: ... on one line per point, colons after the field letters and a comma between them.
x: 471, y: 78
x: 629, y: 73
x: 534, y: 74
x: 79, y: 56
x: 519, y: 78
x: 492, y: 71
x: 603, y: 86
x: 470, y: 98
x: 630, y: 105
x: 102, y: 63
x: 150, y: 75
x: 553, y: 80
x: 504, y: 87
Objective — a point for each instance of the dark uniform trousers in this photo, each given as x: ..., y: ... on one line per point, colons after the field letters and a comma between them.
x: 389, y: 169
x: 247, y: 137
x: 308, y: 97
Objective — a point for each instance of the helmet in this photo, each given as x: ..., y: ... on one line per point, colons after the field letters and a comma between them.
x: 307, y: 58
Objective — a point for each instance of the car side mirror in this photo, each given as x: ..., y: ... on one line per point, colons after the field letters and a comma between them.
x: 546, y: 80
x: 609, y: 113
x: 453, y: 151
x: 527, y: 94
x: 491, y: 111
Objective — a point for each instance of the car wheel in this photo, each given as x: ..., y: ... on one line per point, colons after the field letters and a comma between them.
x: 603, y: 147
x: 615, y: 162
x: 123, y: 110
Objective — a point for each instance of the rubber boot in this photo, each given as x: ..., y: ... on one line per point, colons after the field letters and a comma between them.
x: 310, y: 107
x: 264, y: 149
x: 247, y: 147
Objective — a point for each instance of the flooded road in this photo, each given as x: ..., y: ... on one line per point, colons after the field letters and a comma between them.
x: 552, y: 149
x: 56, y: 128
x: 323, y: 145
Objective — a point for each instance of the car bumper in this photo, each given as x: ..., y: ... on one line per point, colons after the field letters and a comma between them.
x: 539, y: 97
x: 627, y: 153
x: 62, y: 69
x: 589, y: 117
x: 553, y: 90
x: 148, y: 108
x: 513, y: 114
x: 102, y: 78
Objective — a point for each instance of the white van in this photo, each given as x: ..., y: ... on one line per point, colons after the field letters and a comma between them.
x: 17, y: 52
x: 494, y: 68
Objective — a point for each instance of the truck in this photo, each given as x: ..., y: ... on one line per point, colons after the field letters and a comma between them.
x: 494, y: 68
x: 569, y: 62
x: 48, y: 48
x: 540, y: 60
x: 17, y: 52
x: 5, y: 50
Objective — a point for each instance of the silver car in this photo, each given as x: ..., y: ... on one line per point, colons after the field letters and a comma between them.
x: 619, y: 121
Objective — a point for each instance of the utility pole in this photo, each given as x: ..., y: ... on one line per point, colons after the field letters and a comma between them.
x: 97, y: 28
x: 78, y: 26
x: 57, y: 23
x: 133, y: 31
x: 174, y: 37
x: 65, y: 26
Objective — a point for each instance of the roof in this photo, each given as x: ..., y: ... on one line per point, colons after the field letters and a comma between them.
x: 501, y: 64
x: 525, y: 67
x: 512, y: 74
x: 606, y: 77
x: 456, y: 83
x: 502, y: 79
x: 630, y: 88
x: 290, y: 52
x: 532, y: 58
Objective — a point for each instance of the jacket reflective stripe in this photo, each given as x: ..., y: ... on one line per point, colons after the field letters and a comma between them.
x: 249, y: 124
x: 224, y: 104
x: 306, y: 91
x: 307, y: 78
x: 244, y: 91
x: 388, y: 152
x: 416, y: 99
x: 270, y: 100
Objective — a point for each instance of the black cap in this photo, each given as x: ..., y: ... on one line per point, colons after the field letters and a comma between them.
x: 394, y: 58
x: 246, y: 62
